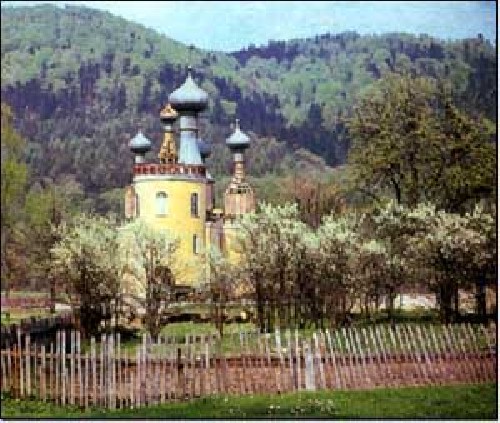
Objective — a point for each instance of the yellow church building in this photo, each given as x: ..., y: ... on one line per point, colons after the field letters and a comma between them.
x: 176, y: 193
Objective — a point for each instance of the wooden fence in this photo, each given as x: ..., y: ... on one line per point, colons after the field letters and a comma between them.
x: 38, y: 328
x: 115, y: 375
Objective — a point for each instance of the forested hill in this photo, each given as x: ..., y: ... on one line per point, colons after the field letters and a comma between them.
x: 81, y: 82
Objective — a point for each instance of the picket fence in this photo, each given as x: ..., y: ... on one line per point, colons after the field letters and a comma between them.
x: 112, y: 374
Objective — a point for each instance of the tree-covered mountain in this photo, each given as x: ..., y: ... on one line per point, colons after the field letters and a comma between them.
x: 81, y: 82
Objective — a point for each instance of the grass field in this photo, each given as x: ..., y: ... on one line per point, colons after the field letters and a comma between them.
x: 443, y: 402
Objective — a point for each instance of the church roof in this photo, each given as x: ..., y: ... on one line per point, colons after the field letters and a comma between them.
x: 238, y: 138
x: 189, y: 96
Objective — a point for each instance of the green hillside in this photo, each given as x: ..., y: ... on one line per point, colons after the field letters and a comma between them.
x: 81, y: 82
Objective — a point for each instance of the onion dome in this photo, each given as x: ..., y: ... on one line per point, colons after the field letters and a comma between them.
x: 204, y: 147
x: 238, y: 139
x: 189, y: 96
x: 140, y: 144
x: 168, y: 114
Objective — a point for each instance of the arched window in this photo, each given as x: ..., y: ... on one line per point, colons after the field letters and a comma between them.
x: 196, y: 245
x: 194, y: 204
x: 161, y: 204
x: 137, y: 208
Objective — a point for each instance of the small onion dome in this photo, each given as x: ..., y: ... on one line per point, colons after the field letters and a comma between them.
x: 140, y: 144
x: 204, y: 147
x: 238, y: 139
x: 168, y: 114
x: 189, y: 96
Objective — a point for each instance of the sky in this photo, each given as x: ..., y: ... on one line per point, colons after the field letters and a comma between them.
x: 232, y: 25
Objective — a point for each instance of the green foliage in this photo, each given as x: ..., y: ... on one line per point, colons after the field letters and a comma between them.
x: 13, y: 185
x: 409, y: 141
x: 82, y: 80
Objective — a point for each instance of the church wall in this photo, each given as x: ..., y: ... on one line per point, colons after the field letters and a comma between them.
x: 178, y: 220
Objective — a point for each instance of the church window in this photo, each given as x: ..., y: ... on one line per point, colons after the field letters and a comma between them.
x: 161, y: 204
x: 196, y: 247
x: 194, y: 204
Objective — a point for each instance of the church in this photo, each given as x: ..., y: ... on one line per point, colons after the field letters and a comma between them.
x: 176, y: 192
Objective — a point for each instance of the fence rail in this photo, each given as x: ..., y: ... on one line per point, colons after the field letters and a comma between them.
x: 109, y: 374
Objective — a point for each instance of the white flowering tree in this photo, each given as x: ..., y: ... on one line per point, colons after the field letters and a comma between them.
x: 270, y: 245
x: 150, y: 257
x: 457, y: 252
x: 483, y: 266
x: 87, y: 263
x: 395, y: 226
x: 222, y: 286
x: 337, y: 276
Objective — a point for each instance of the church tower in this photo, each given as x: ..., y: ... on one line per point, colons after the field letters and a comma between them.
x: 172, y: 193
x: 239, y: 197
x: 176, y: 192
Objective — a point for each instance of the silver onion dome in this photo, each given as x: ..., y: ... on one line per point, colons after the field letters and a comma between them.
x: 204, y: 147
x: 238, y: 139
x: 189, y: 96
x: 140, y: 144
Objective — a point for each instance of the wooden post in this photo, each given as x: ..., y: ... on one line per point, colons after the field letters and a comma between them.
x: 336, y: 382
x: 412, y: 341
x: 144, y: 371
x: 450, y: 353
x: 27, y: 352
x: 427, y: 363
x: 378, y: 355
x: 72, y: 368
x: 51, y: 390
x: 437, y: 354
x: 346, y: 368
x: 277, y: 337
x: 351, y: 366
x: 138, y: 375
x: 117, y: 366
x: 79, y: 368
x: 242, y: 354
x: 3, y: 377
x: 310, y: 378
x: 161, y: 370
x: 470, y: 351
x: 396, y: 353
x: 9, y: 368
x: 43, y: 372
x: 298, y: 360
x: 362, y: 359
x: 265, y: 386
x: 288, y: 337
x: 483, y: 372
x: 109, y: 373
x: 94, y: 371
x: 381, y: 340
x: 173, y: 369
x: 129, y: 380
x: 102, y: 365
x: 370, y: 360
x: 63, y: 368
x: 129, y: 384
x: 86, y: 381
x: 193, y: 366
x: 319, y: 363
x: 20, y: 353
x: 36, y: 371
